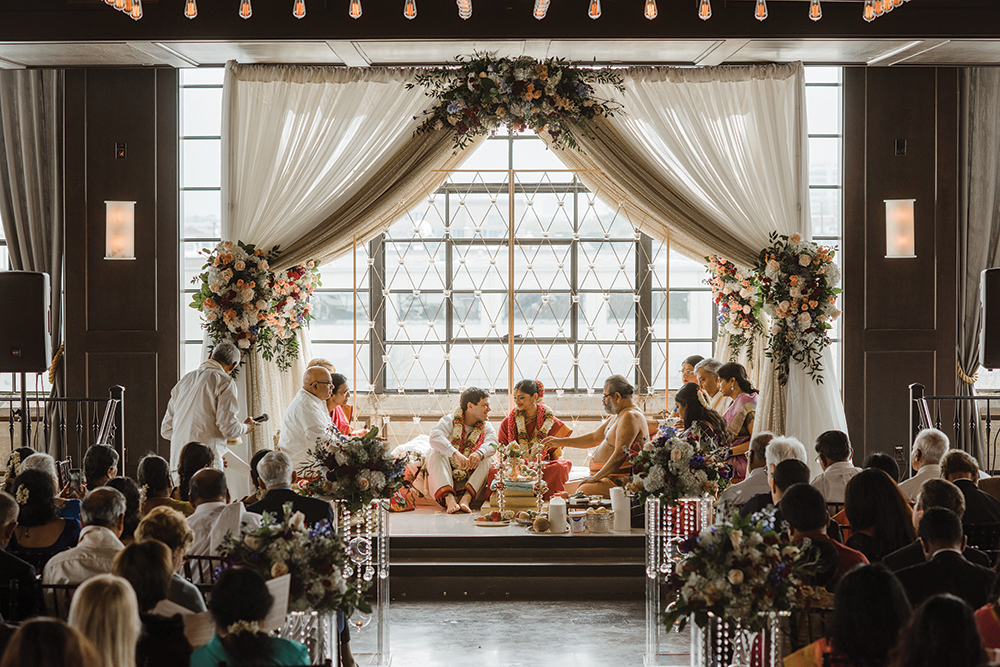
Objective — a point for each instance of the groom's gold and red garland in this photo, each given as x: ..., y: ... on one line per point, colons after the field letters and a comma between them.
x: 463, y: 442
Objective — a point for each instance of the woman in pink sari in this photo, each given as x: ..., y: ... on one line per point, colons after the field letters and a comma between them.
x: 734, y: 383
x: 527, y: 424
x: 337, y: 403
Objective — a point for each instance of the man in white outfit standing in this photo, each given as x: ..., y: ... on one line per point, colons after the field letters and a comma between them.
x: 462, y: 445
x: 307, y: 418
x: 203, y: 406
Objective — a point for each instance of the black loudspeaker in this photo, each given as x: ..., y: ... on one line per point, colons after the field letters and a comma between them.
x: 25, y: 346
x: 989, y: 330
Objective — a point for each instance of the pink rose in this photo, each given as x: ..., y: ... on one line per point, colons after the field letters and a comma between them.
x: 795, y: 239
x: 773, y: 266
x: 240, y: 265
x: 804, y: 260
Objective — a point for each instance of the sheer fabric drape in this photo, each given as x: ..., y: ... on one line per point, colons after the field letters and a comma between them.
x: 979, y: 225
x: 31, y: 185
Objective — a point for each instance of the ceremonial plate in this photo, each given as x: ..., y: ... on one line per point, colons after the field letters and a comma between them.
x: 492, y: 524
x: 524, y: 522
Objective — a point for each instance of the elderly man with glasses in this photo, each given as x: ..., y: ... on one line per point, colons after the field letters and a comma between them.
x: 306, y: 419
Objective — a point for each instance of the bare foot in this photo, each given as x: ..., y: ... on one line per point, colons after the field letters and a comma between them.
x: 451, y: 505
x: 464, y: 508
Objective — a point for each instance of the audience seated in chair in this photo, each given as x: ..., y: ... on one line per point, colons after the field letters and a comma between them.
x: 257, y: 488
x: 885, y: 463
x: 946, y: 569
x: 778, y: 449
x: 194, y: 456
x: 69, y: 507
x: 147, y: 566
x: 103, y: 515
x: 14, y: 462
x: 941, y: 632
x: 100, y: 464
x: 835, y: 454
x: 130, y: 489
x: 49, y: 641
x: 785, y: 475
x: 20, y: 594
x: 157, y: 487
x: 802, y: 506
x: 240, y: 601
x: 929, y: 448
x: 934, y: 493
x: 168, y: 526
x: 870, y: 610
x: 756, y: 479
x: 40, y: 533
x: 878, y: 514
x: 980, y: 507
x: 210, y: 497
x: 105, y: 611
x: 275, y: 470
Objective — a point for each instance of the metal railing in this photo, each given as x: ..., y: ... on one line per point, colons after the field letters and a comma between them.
x: 945, y: 414
x: 66, y: 426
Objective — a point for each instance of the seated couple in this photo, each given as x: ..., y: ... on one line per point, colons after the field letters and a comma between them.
x: 463, y: 444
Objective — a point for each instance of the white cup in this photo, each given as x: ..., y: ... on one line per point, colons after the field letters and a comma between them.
x: 578, y: 519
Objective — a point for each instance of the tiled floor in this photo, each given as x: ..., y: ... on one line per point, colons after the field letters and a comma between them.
x: 520, y: 634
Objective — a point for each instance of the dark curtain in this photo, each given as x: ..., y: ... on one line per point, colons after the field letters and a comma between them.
x: 31, y: 187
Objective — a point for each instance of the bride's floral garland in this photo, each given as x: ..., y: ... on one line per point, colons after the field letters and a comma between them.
x: 798, y: 288
x: 482, y: 93
x: 524, y: 452
x: 461, y: 441
x: 737, y: 293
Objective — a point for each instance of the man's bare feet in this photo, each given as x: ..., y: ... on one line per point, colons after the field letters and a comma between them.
x: 464, y: 504
x: 451, y: 505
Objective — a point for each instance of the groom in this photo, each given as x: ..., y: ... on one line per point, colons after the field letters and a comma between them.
x: 462, y: 445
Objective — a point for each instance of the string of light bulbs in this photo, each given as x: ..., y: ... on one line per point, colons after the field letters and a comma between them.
x: 872, y: 9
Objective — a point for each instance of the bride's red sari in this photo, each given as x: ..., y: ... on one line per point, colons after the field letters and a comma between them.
x: 556, y: 471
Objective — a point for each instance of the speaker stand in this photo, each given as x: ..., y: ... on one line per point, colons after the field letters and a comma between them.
x: 24, y: 410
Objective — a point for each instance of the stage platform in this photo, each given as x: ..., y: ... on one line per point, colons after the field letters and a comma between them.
x: 436, y: 556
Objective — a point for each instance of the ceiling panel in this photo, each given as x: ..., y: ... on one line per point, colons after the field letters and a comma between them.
x: 217, y: 53
x: 959, y: 52
x: 632, y: 51
x: 63, y: 54
x: 844, y: 52
x: 432, y: 52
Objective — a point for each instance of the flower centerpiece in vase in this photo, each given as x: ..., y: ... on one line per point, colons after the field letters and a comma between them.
x: 798, y: 280
x: 736, y: 292
x: 352, y: 469
x: 675, y: 465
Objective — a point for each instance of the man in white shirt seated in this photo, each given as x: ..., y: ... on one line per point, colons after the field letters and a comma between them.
x: 462, y: 445
x: 307, y: 418
x: 103, y: 514
x: 707, y: 372
x: 203, y: 406
x: 929, y: 447
x: 756, y: 479
x: 835, y: 454
x: 210, y: 497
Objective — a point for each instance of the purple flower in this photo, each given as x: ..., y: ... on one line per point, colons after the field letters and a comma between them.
x: 777, y: 575
x: 688, y: 544
x: 697, y: 461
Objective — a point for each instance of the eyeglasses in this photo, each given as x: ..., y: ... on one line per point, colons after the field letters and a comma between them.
x: 608, y: 395
x: 346, y: 392
x: 321, y: 382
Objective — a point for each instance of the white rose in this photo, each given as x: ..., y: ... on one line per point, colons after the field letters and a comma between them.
x: 278, y: 569
x: 735, y: 577
x: 648, y: 447
x: 805, y: 260
x: 795, y: 239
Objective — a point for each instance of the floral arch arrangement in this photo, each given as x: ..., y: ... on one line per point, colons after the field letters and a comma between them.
x: 482, y: 93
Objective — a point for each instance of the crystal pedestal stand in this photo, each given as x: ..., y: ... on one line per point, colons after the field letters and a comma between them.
x: 666, y: 527
x: 728, y: 642
x: 366, y: 534
x: 317, y: 631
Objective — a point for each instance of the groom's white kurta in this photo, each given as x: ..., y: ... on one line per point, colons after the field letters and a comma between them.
x: 440, y: 481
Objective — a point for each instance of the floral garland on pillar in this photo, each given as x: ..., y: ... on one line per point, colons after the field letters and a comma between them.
x: 481, y: 93
x: 737, y: 292
x: 243, y: 301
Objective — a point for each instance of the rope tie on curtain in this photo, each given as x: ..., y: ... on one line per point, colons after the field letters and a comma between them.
x: 965, y: 378
x: 56, y: 358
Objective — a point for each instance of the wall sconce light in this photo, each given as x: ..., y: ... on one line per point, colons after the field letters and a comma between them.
x: 899, y: 237
x: 120, y: 242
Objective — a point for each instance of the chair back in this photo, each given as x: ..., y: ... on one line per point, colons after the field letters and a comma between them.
x: 58, y: 598
x: 203, y: 570
x: 990, y: 485
x: 985, y: 537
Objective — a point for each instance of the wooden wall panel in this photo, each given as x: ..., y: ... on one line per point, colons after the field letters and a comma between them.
x: 122, y: 316
x: 900, y: 320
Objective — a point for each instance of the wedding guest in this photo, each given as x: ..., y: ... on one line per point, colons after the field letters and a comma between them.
x: 340, y: 393
x: 870, y: 610
x: 688, y: 366
x: 275, y: 470
x: 147, y: 567
x: 203, y: 406
x: 45, y: 642
x: 528, y: 424
x: 883, y: 462
x: 618, y: 439
x: 735, y: 385
x: 695, y: 415
x: 878, y: 514
x: 100, y: 464
x: 257, y: 488
x: 707, y: 373
x: 306, y: 419
x: 946, y: 569
x: 929, y: 447
x: 210, y: 497
x: 25, y: 600
x: 103, y: 519
x: 934, y: 493
x: 804, y: 508
x: 105, y: 611
x: 69, y: 508
x: 156, y: 488
x: 835, y: 454
x: 40, y: 532
x: 130, y: 489
x: 980, y: 507
x: 756, y: 479
x: 240, y: 601
x: 14, y: 462
x: 168, y: 526
x: 194, y: 457
x: 780, y: 449
x: 942, y: 632
x: 786, y: 474
x: 322, y: 363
